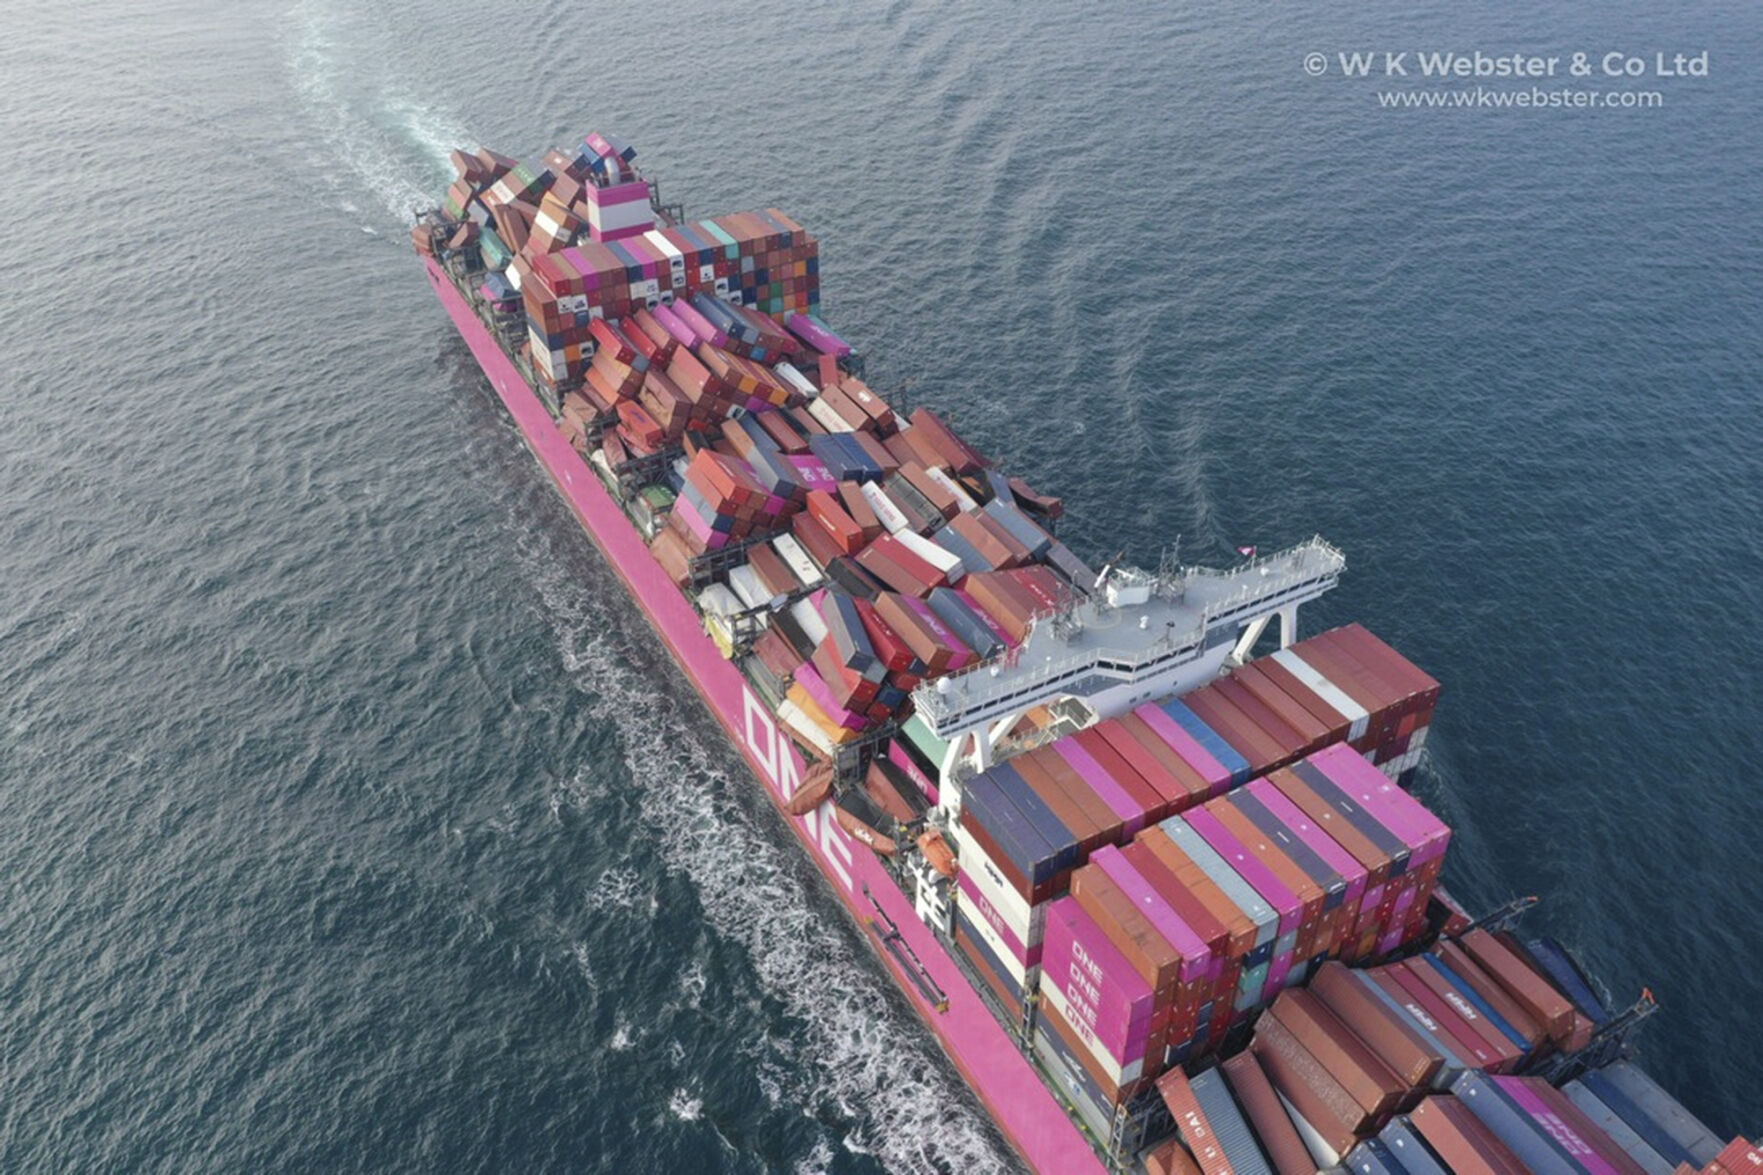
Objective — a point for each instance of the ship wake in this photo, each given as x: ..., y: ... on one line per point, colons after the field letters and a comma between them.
x: 391, y: 145
x: 849, y: 1053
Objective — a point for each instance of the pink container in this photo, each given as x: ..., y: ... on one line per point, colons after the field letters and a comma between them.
x: 1323, y: 845
x: 675, y: 326
x: 810, y: 332
x: 1175, y: 931
x: 698, y: 324
x: 898, y: 757
x: 1579, y: 1150
x: 808, y: 677
x: 1216, y: 775
x: 1425, y: 834
x: 1249, y: 868
x: 1104, y: 993
x: 814, y: 473
x: 1102, y: 783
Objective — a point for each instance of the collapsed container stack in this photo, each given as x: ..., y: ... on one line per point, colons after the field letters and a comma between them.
x: 578, y: 239
x: 1414, y: 1067
x: 882, y: 503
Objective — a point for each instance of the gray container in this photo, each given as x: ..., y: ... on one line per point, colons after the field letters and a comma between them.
x: 1685, y: 1128
x: 1228, y: 1124
x: 1623, y: 1135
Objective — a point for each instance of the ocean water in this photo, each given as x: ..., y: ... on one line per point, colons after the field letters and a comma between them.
x: 352, y: 819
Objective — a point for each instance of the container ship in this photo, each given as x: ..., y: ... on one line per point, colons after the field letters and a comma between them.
x: 1165, y: 904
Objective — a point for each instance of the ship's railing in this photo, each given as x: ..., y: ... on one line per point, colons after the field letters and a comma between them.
x: 991, y: 688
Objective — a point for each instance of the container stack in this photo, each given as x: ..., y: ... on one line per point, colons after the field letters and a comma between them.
x: 1149, y: 935
x: 1325, y: 859
x: 1413, y: 1067
x: 1345, y: 685
x: 857, y: 507
x: 578, y: 238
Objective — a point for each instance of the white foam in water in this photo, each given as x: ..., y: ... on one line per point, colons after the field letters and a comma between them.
x: 620, y: 888
x: 623, y: 1037
x: 684, y: 1107
x: 390, y: 143
x: 859, y: 1052
x: 816, y: 1161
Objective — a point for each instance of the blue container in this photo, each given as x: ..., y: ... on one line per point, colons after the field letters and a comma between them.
x: 1521, y: 1133
x: 1214, y: 743
x: 1474, y: 997
x: 1062, y: 840
x: 1620, y: 1132
x: 953, y: 611
x: 1405, y: 1148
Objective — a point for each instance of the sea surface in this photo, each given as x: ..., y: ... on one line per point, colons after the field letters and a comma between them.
x: 352, y: 819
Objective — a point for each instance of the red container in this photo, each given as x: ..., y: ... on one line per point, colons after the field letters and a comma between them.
x: 1460, y: 1139
x: 1372, y: 1084
x: 1267, y: 1117
x: 1404, y: 1051
x: 1313, y: 1091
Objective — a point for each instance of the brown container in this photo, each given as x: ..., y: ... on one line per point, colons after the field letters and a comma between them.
x: 1171, y: 1158
x: 993, y: 549
x: 923, y: 643
x: 1272, y: 1125
x: 1331, y: 719
x: 1283, y: 867
x: 1531, y: 991
x: 820, y: 545
x: 1192, y: 783
x: 1504, y: 1006
x: 1373, y: 1084
x: 1043, y: 763
x: 1459, y: 1138
x: 1238, y: 926
x: 877, y: 451
x: 1019, y: 555
x: 1172, y: 796
x: 937, y: 495
x: 1314, y: 1093
x: 1314, y: 733
x: 1068, y: 812
x: 1132, y: 935
x: 1341, y: 830
x: 1505, y: 1052
x: 1403, y: 1050
x: 1001, y: 597
x: 1244, y: 736
x: 956, y: 454
x: 1142, y: 793
x: 1291, y: 742
x: 1196, y: 1130
x: 772, y: 571
x: 1411, y: 993
x: 1208, y: 927
x: 1590, y: 1132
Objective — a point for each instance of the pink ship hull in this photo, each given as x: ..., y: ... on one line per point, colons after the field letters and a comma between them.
x: 1033, y: 1120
